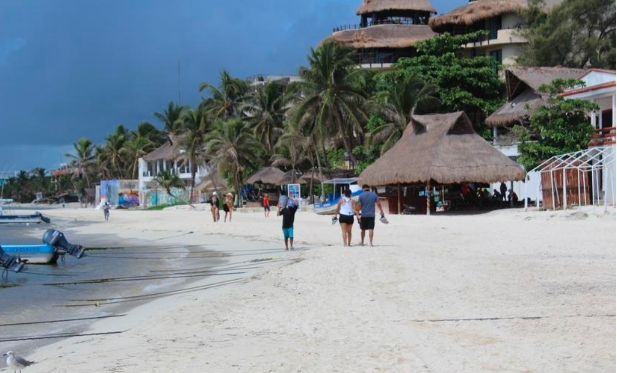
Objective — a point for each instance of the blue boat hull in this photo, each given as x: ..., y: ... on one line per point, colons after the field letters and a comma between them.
x: 32, y: 218
x: 329, y: 208
x: 33, y: 254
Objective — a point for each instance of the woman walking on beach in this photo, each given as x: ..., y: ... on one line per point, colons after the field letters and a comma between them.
x: 214, y: 207
x: 228, y: 206
x: 345, y: 211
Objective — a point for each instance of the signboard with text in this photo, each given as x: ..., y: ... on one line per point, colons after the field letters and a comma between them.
x: 293, y: 191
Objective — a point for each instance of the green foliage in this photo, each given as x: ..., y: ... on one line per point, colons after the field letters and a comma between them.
x: 560, y: 126
x: 232, y: 147
x: 168, y: 180
x: 331, y: 96
x: 397, y: 99
x: 335, y: 157
x: 462, y: 84
x: 365, y: 155
x: 575, y: 33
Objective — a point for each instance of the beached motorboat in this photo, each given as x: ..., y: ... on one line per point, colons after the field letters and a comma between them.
x: 9, y: 262
x: 31, y: 218
x: 54, y: 246
x: 328, y: 207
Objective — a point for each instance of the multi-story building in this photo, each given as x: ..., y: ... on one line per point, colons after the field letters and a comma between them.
x: 388, y: 30
x: 500, y: 18
x: 167, y: 157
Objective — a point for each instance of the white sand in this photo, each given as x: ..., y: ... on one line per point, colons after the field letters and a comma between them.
x: 505, y: 291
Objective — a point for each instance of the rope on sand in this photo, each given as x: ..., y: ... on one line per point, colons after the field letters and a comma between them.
x: 50, y: 336
x: 62, y: 320
x: 106, y: 301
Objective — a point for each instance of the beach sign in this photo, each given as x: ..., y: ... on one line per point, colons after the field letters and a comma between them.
x: 293, y: 191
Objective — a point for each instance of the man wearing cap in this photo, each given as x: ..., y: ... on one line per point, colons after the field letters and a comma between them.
x: 366, y: 206
x: 289, y: 214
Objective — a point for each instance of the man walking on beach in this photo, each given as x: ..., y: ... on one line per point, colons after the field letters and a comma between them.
x: 289, y: 214
x: 366, y: 205
x: 266, y: 204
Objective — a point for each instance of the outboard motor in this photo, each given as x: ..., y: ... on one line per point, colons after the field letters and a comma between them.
x: 10, y: 262
x: 56, y: 239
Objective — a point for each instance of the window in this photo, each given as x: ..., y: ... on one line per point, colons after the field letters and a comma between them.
x: 496, y: 56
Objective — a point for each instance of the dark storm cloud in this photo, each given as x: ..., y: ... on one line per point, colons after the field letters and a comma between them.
x: 74, y: 68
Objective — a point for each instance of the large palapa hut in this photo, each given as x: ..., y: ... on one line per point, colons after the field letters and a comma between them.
x: 441, y: 149
x: 388, y: 30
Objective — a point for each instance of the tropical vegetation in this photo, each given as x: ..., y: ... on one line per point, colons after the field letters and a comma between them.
x: 339, y: 113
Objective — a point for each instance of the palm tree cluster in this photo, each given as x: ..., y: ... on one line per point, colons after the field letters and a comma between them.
x: 240, y: 127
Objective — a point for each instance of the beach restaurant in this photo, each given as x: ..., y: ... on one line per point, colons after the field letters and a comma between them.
x: 436, y: 153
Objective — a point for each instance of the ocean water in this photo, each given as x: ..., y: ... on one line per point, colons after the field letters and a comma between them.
x: 46, y: 302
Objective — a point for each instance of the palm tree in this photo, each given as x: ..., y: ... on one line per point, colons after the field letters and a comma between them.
x: 331, y: 99
x: 232, y: 147
x: 224, y: 100
x: 264, y: 109
x: 401, y: 99
x: 112, y: 149
x: 170, y: 117
x: 168, y: 180
x: 195, y: 126
x: 135, y: 148
x: 291, y: 150
x: 149, y: 131
x: 82, y: 159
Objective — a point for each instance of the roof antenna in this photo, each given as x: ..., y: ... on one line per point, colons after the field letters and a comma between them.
x: 179, y: 85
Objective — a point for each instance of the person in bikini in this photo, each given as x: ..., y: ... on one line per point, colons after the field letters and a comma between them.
x: 228, y: 206
x: 214, y: 206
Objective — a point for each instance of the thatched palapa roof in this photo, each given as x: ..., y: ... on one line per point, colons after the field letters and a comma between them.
x: 266, y: 175
x: 170, y: 150
x: 471, y: 13
x: 376, y: 6
x: 382, y: 36
x: 443, y: 149
x: 288, y: 178
x: 479, y: 10
x: 522, y: 85
x: 212, y: 181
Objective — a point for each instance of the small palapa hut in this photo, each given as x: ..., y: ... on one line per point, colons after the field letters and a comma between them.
x: 440, y: 149
x: 266, y: 175
x: 522, y: 90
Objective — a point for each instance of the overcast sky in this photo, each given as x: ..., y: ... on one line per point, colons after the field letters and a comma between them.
x: 79, y: 68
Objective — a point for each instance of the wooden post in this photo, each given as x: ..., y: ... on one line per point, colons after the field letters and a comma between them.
x: 428, y: 197
x: 398, y: 203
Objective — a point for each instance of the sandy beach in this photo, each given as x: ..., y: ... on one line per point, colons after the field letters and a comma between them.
x: 502, y: 291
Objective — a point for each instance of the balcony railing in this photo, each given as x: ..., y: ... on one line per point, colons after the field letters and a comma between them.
x: 603, y: 136
x: 503, y: 36
x: 389, y: 21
